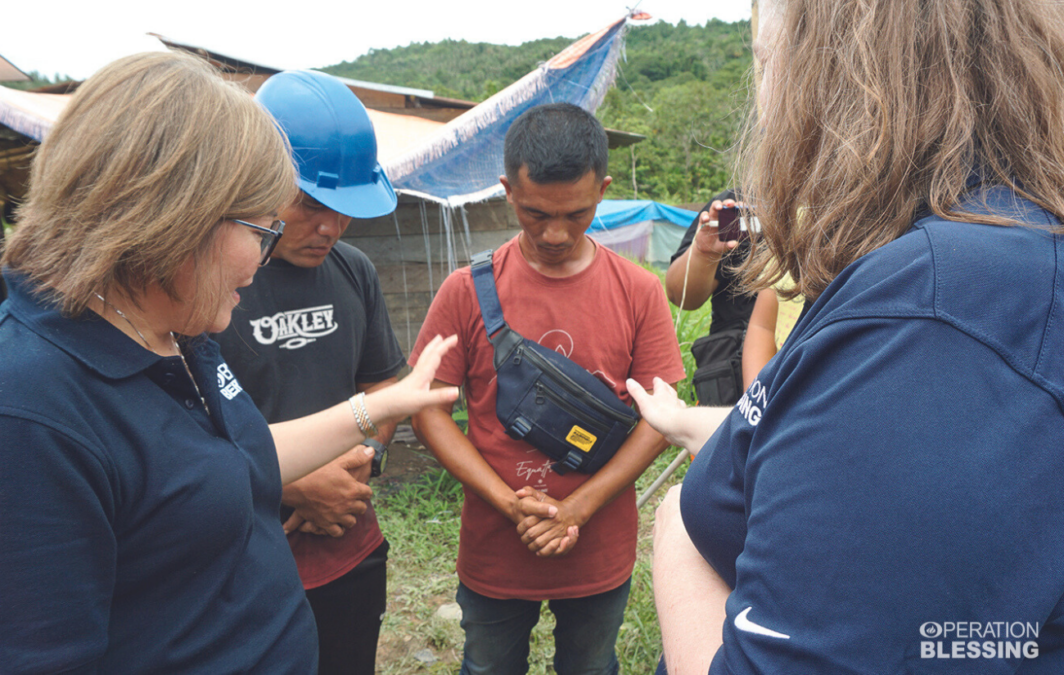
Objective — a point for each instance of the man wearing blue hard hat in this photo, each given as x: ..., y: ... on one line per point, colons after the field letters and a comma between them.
x: 312, y: 330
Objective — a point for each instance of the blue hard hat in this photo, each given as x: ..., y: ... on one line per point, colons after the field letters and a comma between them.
x: 333, y: 142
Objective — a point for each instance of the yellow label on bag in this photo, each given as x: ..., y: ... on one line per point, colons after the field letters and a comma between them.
x: 582, y: 438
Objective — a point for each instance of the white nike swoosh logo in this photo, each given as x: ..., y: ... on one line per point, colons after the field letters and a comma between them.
x: 746, y: 625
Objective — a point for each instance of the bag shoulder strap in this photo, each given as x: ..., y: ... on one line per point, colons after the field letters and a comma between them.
x: 487, y: 296
x: 503, y: 338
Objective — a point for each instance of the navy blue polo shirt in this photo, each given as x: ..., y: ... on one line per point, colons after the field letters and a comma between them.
x: 886, y: 497
x: 139, y: 534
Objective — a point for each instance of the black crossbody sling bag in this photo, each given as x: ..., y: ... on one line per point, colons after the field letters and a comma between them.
x: 544, y: 398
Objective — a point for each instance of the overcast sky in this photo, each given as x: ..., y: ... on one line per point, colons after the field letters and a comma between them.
x: 77, y: 37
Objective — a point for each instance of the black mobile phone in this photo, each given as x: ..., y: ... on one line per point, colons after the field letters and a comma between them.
x: 728, y: 224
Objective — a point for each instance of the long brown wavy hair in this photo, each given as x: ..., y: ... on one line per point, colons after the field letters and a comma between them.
x: 879, y: 109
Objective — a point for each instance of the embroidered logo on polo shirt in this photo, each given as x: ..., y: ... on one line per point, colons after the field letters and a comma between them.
x: 746, y: 625
x: 227, y: 382
x: 295, y: 328
x: 753, y: 403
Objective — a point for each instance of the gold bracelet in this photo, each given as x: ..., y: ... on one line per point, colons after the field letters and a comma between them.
x: 358, y: 407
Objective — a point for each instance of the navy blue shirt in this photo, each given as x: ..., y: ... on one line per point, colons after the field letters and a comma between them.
x: 891, y: 483
x: 139, y: 534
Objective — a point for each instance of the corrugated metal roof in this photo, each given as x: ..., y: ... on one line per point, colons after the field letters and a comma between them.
x: 248, y: 66
x: 389, y: 88
x: 222, y: 60
x: 9, y: 72
x: 29, y: 113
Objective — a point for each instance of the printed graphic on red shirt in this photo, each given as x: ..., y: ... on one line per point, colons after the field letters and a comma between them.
x: 613, y: 320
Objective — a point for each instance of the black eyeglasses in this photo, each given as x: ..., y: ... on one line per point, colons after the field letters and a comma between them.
x: 270, y: 236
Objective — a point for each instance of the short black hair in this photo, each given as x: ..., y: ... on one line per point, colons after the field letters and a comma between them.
x: 558, y: 143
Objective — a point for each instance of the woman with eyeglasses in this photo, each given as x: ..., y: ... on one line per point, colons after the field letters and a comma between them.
x: 886, y: 496
x: 139, y: 485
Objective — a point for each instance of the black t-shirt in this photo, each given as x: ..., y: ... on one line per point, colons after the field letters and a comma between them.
x: 302, y: 337
x: 731, y: 309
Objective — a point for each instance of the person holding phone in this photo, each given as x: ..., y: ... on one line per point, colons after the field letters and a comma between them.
x: 894, y: 472
x: 702, y: 269
x: 698, y: 270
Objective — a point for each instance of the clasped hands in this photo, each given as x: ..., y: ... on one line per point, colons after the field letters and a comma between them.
x: 549, y: 527
x: 328, y: 501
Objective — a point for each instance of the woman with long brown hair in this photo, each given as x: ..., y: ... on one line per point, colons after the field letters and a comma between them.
x: 139, y: 485
x: 884, y: 498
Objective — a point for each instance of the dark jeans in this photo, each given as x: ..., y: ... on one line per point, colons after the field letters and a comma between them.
x: 349, y: 611
x: 497, y: 632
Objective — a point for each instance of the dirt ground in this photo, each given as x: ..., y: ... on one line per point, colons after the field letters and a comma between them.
x: 407, y: 459
x: 398, y: 645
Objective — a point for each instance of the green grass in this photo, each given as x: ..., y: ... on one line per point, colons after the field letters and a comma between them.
x: 421, y: 520
x: 689, y: 327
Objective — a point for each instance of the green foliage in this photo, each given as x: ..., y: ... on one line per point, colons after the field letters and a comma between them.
x: 421, y: 521
x: 684, y: 87
x: 689, y: 327
x: 451, y: 68
x: 460, y: 415
x: 37, y: 80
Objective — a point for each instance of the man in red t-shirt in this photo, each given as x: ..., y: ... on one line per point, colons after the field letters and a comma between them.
x: 529, y: 534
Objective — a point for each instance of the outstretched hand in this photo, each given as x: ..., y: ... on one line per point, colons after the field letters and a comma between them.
x: 663, y: 410
x: 414, y: 392
x: 684, y: 427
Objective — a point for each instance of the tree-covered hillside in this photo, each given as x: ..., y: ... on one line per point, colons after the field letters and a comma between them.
x: 683, y: 86
x: 452, y: 68
x: 37, y: 80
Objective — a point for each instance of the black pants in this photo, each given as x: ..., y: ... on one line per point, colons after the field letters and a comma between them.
x: 349, y: 611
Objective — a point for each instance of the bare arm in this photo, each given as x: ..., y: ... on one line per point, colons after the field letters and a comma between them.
x: 760, y: 343
x: 698, y: 264
x: 688, y: 428
x: 438, y: 431
x: 309, y: 442
x: 385, y: 430
x: 688, y: 593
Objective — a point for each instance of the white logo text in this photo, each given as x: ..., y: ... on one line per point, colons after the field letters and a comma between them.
x: 295, y: 328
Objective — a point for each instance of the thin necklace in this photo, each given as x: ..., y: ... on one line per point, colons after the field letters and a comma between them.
x: 173, y: 340
x: 126, y: 318
x: 189, y: 371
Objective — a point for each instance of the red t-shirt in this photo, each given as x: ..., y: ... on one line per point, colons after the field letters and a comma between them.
x: 322, y: 559
x: 611, y: 318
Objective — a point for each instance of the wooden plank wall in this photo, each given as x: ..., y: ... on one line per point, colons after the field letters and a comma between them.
x: 491, y: 224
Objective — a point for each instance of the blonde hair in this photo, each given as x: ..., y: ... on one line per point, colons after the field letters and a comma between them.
x: 882, y: 109
x: 150, y: 156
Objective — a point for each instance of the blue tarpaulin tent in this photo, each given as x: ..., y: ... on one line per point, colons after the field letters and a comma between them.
x: 640, y: 228
x: 463, y: 161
